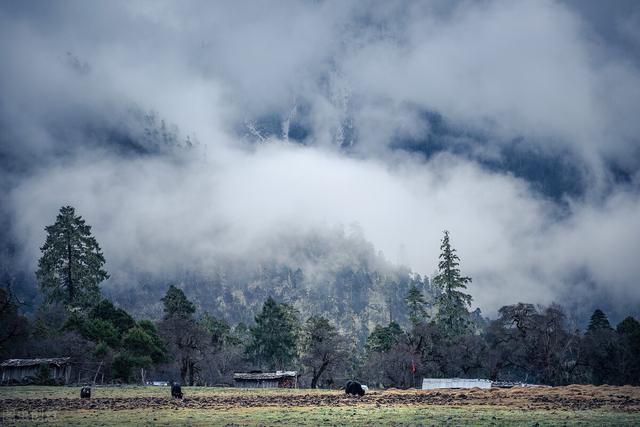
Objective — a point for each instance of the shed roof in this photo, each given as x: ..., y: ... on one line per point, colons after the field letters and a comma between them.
x: 264, y: 375
x: 33, y: 362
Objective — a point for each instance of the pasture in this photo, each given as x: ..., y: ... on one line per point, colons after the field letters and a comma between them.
x: 146, y: 406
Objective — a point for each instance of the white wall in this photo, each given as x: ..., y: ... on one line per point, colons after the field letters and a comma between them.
x: 433, y: 383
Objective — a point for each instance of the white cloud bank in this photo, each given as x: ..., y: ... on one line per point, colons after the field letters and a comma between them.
x: 504, y: 69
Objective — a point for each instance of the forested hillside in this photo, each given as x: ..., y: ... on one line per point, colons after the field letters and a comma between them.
x: 336, y: 274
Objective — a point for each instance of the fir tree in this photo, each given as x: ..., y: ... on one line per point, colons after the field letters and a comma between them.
x: 599, y: 321
x: 417, y: 305
x: 176, y: 304
x: 219, y: 329
x: 383, y: 338
x: 186, y: 339
x: 274, y: 338
x: 105, y: 310
x: 452, y: 302
x: 142, y: 341
x: 70, y: 269
x: 629, y: 326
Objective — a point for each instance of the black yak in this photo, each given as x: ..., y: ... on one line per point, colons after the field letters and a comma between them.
x: 176, y: 391
x: 354, y: 388
x: 85, y: 392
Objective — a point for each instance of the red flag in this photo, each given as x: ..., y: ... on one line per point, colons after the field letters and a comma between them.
x: 413, y: 367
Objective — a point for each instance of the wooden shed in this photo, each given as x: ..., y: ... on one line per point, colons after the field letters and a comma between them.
x: 20, y: 370
x: 278, y: 379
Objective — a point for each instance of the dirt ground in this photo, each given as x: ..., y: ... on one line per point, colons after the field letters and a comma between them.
x: 575, y: 397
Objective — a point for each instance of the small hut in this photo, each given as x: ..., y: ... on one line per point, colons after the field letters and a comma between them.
x: 25, y: 370
x: 278, y: 379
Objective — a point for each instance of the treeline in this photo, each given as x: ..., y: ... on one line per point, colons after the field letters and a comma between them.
x: 442, y: 339
x: 525, y: 344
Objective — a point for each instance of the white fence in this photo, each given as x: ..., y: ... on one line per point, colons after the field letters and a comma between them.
x: 433, y: 383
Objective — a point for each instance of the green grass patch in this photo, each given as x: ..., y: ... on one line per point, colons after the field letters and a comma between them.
x: 326, y: 416
x: 40, y: 392
x: 364, y: 414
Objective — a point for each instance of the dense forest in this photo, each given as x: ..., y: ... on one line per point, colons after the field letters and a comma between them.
x: 337, y: 275
x: 382, y: 325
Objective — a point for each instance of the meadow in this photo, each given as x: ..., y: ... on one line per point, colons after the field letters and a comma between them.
x: 148, y: 406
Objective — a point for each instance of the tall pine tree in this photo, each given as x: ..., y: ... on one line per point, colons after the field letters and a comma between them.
x: 452, y: 302
x: 274, y: 338
x: 187, y: 340
x: 416, y: 304
x: 176, y: 304
x: 70, y: 269
x: 599, y: 321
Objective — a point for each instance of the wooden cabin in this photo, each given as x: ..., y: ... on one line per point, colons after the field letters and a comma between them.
x: 278, y: 379
x: 24, y: 370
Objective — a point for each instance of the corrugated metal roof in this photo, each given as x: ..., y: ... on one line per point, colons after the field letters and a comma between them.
x: 33, y: 362
x: 265, y: 375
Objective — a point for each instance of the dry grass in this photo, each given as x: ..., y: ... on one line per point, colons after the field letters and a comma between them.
x: 329, y: 416
x: 572, y: 405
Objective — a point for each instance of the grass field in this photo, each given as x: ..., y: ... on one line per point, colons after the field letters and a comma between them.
x: 41, y: 392
x: 120, y: 406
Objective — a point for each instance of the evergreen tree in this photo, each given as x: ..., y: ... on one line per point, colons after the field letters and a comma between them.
x: 176, y: 304
x: 98, y: 330
x: 219, y: 329
x: 70, y: 268
x: 417, y: 305
x: 105, y: 310
x: 383, y: 338
x: 142, y: 341
x: 629, y: 326
x: 452, y: 302
x: 599, y: 321
x: 186, y: 339
x: 322, y: 347
x: 15, y: 327
x: 629, y: 332
x: 601, y: 350
x: 274, y: 338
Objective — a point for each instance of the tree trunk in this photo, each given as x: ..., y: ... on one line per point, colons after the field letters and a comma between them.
x: 183, y: 371
x: 316, y: 374
x: 191, y: 373
x: 70, y: 289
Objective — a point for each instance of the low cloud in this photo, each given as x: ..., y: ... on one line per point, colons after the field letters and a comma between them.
x: 159, y: 216
x: 80, y: 82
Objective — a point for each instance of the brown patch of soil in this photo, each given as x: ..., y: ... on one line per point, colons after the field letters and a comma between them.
x: 574, y: 397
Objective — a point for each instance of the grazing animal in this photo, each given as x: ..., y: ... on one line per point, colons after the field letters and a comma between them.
x: 85, y: 392
x: 176, y: 391
x: 354, y: 388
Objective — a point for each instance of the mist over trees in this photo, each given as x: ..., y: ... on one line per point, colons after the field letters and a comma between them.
x: 424, y: 329
x: 220, y: 178
x: 337, y: 275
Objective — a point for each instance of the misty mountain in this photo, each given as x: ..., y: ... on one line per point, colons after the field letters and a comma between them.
x: 193, y: 137
x: 335, y: 274
x: 555, y: 173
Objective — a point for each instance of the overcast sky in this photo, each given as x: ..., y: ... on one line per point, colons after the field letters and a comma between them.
x: 309, y: 115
